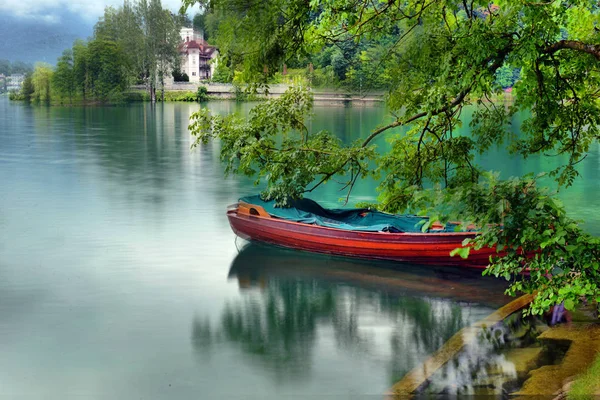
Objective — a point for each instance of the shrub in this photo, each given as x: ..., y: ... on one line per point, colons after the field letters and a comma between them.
x: 180, y: 96
x: 179, y: 76
x: 131, y: 97
x: 15, y: 96
x: 202, y: 94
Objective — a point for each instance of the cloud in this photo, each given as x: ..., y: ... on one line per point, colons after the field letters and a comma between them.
x: 51, y: 11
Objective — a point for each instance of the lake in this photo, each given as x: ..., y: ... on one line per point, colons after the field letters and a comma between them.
x: 120, y: 277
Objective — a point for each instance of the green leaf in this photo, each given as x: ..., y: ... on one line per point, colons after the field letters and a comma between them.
x: 463, y: 252
x: 569, y: 304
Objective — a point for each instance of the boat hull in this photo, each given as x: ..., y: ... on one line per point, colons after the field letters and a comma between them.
x: 421, y: 248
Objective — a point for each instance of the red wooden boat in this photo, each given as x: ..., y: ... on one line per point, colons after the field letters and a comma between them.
x: 253, y: 222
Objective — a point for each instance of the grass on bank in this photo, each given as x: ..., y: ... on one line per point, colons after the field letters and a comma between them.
x: 133, y: 96
x: 587, y: 386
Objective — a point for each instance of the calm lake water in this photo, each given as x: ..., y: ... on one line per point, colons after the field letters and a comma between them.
x: 120, y: 277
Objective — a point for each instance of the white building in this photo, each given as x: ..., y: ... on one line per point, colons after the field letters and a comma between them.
x: 198, y: 58
x: 14, y: 82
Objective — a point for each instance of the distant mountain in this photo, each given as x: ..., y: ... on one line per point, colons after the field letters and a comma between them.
x: 31, y: 40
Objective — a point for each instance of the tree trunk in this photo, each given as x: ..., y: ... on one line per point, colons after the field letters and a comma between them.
x: 162, y: 87
x: 152, y: 93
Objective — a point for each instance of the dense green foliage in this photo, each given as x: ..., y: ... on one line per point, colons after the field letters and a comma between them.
x: 135, y: 43
x: 27, y: 88
x: 92, y: 71
x: 349, y: 62
x: 64, y: 76
x: 149, y: 36
x: 438, y: 58
x: 506, y: 76
x: 179, y: 76
x: 199, y: 25
x: 42, y: 81
x: 202, y: 93
x: 223, y: 72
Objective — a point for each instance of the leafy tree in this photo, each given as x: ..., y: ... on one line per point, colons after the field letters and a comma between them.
x: 340, y: 64
x: 179, y: 76
x: 123, y: 25
x: 212, y: 21
x: 505, y: 76
x: 223, y: 73
x: 245, y: 28
x: 27, y: 88
x: 202, y: 93
x: 107, y: 27
x: 63, y: 79
x: 81, y: 67
x: 105, y: 68
x: 444, y: 56
x: 199, y: 24
x: 167, y: 47
x: 42, y: 80
x: 148, y: 35
x: 160, y: 39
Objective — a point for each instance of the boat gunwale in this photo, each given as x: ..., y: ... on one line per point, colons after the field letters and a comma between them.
x: 415, y: 248
x: 374, y: 233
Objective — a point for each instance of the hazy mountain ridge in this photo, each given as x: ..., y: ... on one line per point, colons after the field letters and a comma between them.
x: 31, y: 40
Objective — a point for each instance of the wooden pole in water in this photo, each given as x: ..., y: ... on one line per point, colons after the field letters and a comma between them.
x: 408, y: 386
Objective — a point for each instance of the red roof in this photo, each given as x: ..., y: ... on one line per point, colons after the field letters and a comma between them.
x: 204, y: 48
x: 192, y: 45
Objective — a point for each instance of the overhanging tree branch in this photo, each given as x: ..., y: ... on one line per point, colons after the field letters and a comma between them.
x: 592, y: 49
x: 459, y: 99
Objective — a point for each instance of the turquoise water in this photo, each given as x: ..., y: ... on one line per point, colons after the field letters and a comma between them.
x: 120, y: 277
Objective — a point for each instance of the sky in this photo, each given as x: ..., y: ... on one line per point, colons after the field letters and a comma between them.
x: 54, y: 11
x: 40, y: 30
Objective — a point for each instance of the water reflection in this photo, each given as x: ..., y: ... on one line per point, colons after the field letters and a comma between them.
x: 141, y: 148
x: 495, y: 360
x: 255, y: 263
x: 293, y: 304
x: 111, y: 228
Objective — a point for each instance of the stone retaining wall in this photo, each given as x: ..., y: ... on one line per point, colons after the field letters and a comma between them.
x: 227, y: 91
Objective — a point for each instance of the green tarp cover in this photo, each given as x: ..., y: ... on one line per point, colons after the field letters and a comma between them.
x: 356, y: 219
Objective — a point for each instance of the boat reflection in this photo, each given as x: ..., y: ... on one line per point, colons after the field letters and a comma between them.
x: 256, y: 264
x: 297, y: 306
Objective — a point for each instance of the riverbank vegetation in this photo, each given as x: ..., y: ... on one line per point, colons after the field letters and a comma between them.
x: 174, y: 95
x: 133, y: 44
x: 437, y: 58
x: 354, y: 65
x: 587, y: 386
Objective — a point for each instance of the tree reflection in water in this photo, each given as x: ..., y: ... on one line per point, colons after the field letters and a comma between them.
x: 286, y: 314
x: 433, y: 323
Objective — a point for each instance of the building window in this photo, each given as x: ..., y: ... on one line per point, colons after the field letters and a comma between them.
x: 194, y: 60
x: 193, y: 74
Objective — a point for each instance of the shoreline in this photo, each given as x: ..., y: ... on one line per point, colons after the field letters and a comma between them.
x: 188, y: 92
